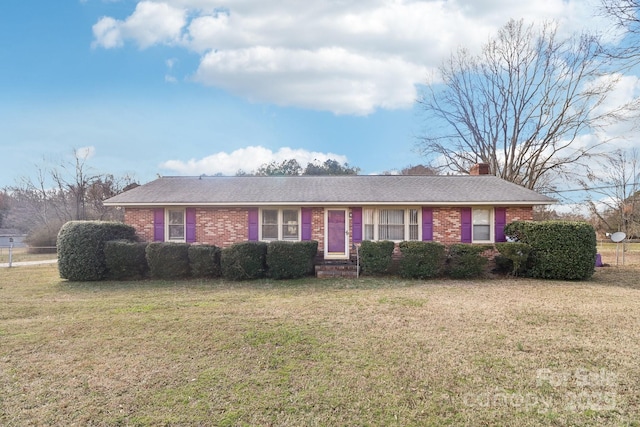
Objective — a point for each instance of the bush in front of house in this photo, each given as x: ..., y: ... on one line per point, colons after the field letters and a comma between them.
x: 290, y: 260
x: 204, y: 261
x: 376, y: 257
x: 125, y: 260
x: 422, y: 260
x: 465, y: 261
x: 513, y: 257
x: 244, y: 261
x: 168, y: 260
x: 562, y: 250
x: 81, y: 248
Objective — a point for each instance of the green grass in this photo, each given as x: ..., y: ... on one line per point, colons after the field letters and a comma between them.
x: 319, y: 352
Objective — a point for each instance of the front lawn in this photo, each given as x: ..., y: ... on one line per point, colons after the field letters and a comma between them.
x: 319, y: 352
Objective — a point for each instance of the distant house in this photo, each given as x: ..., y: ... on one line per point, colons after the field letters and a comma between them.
x: 12, y: 237
x: 337, y: 211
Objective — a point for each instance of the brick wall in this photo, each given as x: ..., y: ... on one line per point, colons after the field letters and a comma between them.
x: 225, y: 226
x: 142, y: 221
x: 519, y: 214
x: 446, y: 225
x: 222, y: 226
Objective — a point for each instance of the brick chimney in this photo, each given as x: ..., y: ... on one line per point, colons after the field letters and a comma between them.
x: 480, y: 169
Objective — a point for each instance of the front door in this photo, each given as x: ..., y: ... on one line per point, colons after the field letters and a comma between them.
x: 337, y: 238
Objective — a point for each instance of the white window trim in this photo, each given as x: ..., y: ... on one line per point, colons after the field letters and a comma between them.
x: 167, y: 216
x: 280, y: 223
x: 492, y: 224
x: 407, y: 219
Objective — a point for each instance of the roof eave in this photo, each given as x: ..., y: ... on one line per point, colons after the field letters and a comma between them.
x: 336, y: 203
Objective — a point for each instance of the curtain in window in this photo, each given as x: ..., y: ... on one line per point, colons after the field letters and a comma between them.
x: 367, y: 220
x: 391, y: 224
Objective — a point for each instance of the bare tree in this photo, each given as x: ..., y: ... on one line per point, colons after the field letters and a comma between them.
x: 59, y: 193
x: 521, y: 105
x: 616, y: 186
x: 625, y: 16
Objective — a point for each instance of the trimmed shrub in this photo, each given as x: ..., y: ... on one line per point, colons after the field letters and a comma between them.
x: 244, y: 261
x: 125, y: 260
x: 290, y: 260
x: 204, y: 261
x: 81, y: 248
x: 513, y: 257
x: 168, y: 260
x: 562, y: 250
x: 465, y: 261
x: 376, y: 257
x: 422, y: 260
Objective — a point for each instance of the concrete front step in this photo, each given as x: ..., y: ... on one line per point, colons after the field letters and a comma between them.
x: 336, y: 270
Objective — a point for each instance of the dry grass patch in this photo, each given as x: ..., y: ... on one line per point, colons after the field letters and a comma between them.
x: 309, y: 352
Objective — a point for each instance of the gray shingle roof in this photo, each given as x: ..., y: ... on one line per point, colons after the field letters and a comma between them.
x: 329, y: 190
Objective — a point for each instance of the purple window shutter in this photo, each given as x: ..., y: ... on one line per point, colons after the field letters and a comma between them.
x: 500, y: 222
x: 253, y: 224
x: 356, y: 225
x: 191, y: 224
x: 465, y: 225
x: 427, y: 224
x: 306, y: 214
x: 158, y: 225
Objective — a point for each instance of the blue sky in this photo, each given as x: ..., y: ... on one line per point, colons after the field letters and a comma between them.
x: 184, y: 87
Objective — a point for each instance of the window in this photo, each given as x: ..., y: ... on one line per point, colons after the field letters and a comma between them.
x: 280, y: 224
x: 390, y: 224
x: 175, y: 225
x: 482, y: 225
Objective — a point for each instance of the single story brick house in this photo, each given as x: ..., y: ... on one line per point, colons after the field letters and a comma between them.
x: 337, y: 211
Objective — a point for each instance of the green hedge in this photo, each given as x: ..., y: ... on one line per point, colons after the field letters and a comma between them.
x: 513, y: 257
x: 422, y: 260
x: 168, y: 260
x: 204, y: 261
x: 125, y: 260
x: 376, y: 257
x: 81, y: 248
x: 244, y: 261
x: 562, y: 250
x: 290, y: 260
x: 465, y: 261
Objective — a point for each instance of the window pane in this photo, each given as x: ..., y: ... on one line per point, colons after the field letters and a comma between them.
x: 413, y: 224
x: 290, y: 225
x: 391, y: 232
x: 481, y: 232
x: 176, y: 225
x: 481, y: 225
x: 270, y: 232
x: 413, y: 232
x: 367, y: 220
x: 270, y: 224
x: 481, y: 216
x: 176, y: 217
x: 391, y: 224
x: 270, y: 217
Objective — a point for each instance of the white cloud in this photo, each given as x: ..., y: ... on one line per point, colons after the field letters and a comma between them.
x: 151, y: 23
x: 86, y: 152
x: 247, y: 159
x: 348, y: 57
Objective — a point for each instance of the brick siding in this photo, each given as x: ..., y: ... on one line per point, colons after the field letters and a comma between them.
x: 225, y: 226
